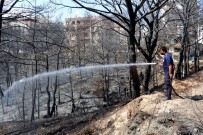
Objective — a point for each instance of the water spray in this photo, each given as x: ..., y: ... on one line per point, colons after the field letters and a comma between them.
x: 72, y: 70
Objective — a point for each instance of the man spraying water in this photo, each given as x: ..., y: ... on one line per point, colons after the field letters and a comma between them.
x: 168, y: 67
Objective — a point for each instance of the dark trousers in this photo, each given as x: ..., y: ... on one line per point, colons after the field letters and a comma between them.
x: 168, y: 86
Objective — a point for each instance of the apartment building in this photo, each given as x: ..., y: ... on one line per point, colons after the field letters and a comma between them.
x: 86, y: 31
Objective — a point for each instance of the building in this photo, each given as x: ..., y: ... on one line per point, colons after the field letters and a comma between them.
x: 95, y: 39
x: 86, y: 31
x: 21, y: 25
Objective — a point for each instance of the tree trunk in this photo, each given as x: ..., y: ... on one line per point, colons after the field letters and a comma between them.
x: 106, y: 81
x: 147, y: 77
x: 36, y: 69
x: 130, y: 84
x: 185, y: 61
x: 198, y: 53
x: 34, y: 92
x: 16, y: 72
x: 72, y: 95
x: 55, y: 88
x: 53, y: 109
x: 33, y: 103
x: 38, y: 100
x: 195, y: 58
x: 2, y: 102
x: 178, y: 74
x: 182, y: 56
x: 49, y: 98
x: 133, y: 70
x: 47, y: 89
x: 23, y: 101
x: 59, y: 96
x: 183, y: 53
x: 188, y: 61
x: 8, y: 75
x: 105, y: 86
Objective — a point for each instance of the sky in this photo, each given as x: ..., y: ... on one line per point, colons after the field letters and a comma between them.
x: 68, y: 13
x: 60, y: 11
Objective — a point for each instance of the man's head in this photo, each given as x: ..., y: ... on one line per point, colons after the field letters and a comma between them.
x: 163, y: 50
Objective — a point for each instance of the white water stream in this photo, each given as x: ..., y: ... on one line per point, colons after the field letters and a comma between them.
x: 18, y: 84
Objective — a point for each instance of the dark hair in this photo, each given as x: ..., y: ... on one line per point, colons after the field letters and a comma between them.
x: 164, y: 49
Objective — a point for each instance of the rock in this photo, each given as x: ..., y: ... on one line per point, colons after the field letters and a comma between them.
x: 133, y: 127
x: 195, y: 130
x: 167, y: 110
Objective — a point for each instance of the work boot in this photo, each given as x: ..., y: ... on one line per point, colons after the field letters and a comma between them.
x: 166, y: 98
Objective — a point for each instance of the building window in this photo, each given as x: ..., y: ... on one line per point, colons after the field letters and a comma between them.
x: 73, y: 22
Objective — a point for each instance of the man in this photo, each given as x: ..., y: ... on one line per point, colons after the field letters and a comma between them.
x: 168, y: 67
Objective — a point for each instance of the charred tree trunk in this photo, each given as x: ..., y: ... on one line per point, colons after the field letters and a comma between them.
x: 49, y: 99
x: 72, y: 96
x: 133, y: 70
x: 8, y: 75
x: 178, y: 74
x: 34, y: 92
x: 23, y: 101
x: 36, y: 69
x: 132, y: 51
x: 182, y: 55
x: 2, y: 102
x: 198, y: 55
x: 38, y: 99
x: 47, y: 89
x: 188, y: 60
x: 53, y: 110
x: 106, y: 81
x: 147, y: 77
x: 185, y: 61
x: 195, y: 58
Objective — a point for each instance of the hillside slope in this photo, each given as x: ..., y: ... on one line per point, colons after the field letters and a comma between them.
x: 146, y: 115
x: 151, y: 115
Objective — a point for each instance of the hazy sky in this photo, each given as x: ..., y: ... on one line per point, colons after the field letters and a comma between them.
x: 67, y: 12
x: 60, y: 11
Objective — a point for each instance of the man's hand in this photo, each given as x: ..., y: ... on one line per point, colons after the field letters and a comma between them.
x: 171, y: 76
x: 170, y: 68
